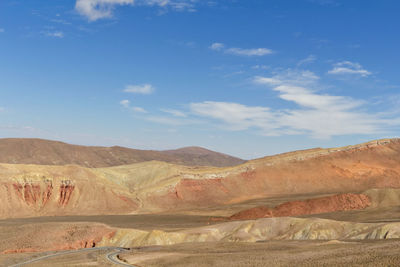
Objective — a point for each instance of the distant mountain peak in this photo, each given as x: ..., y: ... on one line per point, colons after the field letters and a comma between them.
x: 47, y: 152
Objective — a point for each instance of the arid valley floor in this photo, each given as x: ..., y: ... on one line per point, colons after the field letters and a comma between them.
x: 65, y: 205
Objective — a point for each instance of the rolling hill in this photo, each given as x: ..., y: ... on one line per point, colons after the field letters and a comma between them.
x: 154, y: 186
x: 45, y: 152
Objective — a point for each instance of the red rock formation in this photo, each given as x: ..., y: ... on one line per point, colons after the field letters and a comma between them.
x: 32, y: 193
x: 47, y: 194
x: 334, y: 203
x: 22, y: 250
x: 66, y: 190
x: 18, y: 190
x: 56, y: 237
x: 318, y: 171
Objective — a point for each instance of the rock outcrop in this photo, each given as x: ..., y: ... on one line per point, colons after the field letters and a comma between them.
x: 148, y: 187
x: 330, y: 171
x: 30, y: 191
x: 341, y: 202
x: 51, y: 236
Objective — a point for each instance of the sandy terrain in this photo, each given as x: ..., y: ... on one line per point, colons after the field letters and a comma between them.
x: 321, y: 206
x: 154, y: 187
x: 340, y: 202
x: 273, y: 253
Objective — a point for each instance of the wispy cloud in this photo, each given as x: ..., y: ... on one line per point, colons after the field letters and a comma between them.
x: 235, y: 116
x: 174, y: 112
x: 349, y: 68
x: 166, y: 120
x: 241, y: 51
x: 127, y: 104
x: 249, y: 52
x: 307, y: 60
x: 100, y: 9
x: 292, y: 77
x: 316, y: 114
x: 61, y: 21
x: 325, y: 2
x: 217, y: 46
x: 260, y: 67
x: 139, y: 110
x: 144, y: 89
x: 2, y: 30
x: 56, y: 34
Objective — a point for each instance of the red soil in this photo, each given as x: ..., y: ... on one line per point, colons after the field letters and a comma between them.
x: 55, y: 237
x: 334, y: 203
x: 338, y: 171
x: 65, y: 193
x: 38, y: 195
x: 32, y: 194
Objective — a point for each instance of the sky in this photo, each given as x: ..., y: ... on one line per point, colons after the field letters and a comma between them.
x: 248, y: 78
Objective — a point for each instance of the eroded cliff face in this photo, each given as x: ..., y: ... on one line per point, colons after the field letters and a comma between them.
x: 341, y: 202
x: 38, y: 194
x: 32, y: 194
x: 66, y: 190
x: 32, y: 190
x: 52, y: 236
x: 350, y: 169
x: 29, y: 191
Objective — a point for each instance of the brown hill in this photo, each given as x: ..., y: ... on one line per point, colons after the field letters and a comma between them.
x: 202, y: 157
x: 149, y: 187
x: 341, y: 170
x: 45, y: 152
x: 340, y: 202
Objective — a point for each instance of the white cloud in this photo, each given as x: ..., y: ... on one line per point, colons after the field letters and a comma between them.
x: 267, y: 80
x: 249, y: 52
x: 144, y: 89
x: 2, y: 30
x: 139, y: 110
x: 55, y: 34
x: 241, y: 51
x: 173, y: 121
x: 60, y: 21
x: 260, y: 67
x: 166, y: 120
x: 235, y: 116
x: 350, y: 68
x: 100, y: 9
x: 217, y: 46
x: 289, y: 77
x: 127, y: 104
x: 307, y: 60
x: 316, y: 114
x: 308, y: 99
x: 174, y: 112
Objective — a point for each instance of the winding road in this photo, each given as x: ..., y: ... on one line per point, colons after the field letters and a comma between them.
x: 111, y: 257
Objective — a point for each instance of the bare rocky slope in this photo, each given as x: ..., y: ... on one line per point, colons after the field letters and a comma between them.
x: 152, y: 187
x: 363, y: 178
x: 340, y: 202
x: 45, y: 152
x: 65, y: 236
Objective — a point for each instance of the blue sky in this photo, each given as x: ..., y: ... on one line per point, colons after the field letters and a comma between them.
x: 245, y: 77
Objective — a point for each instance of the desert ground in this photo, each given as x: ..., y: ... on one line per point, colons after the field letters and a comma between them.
x: 318, y: 207
x: 270, y: 253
